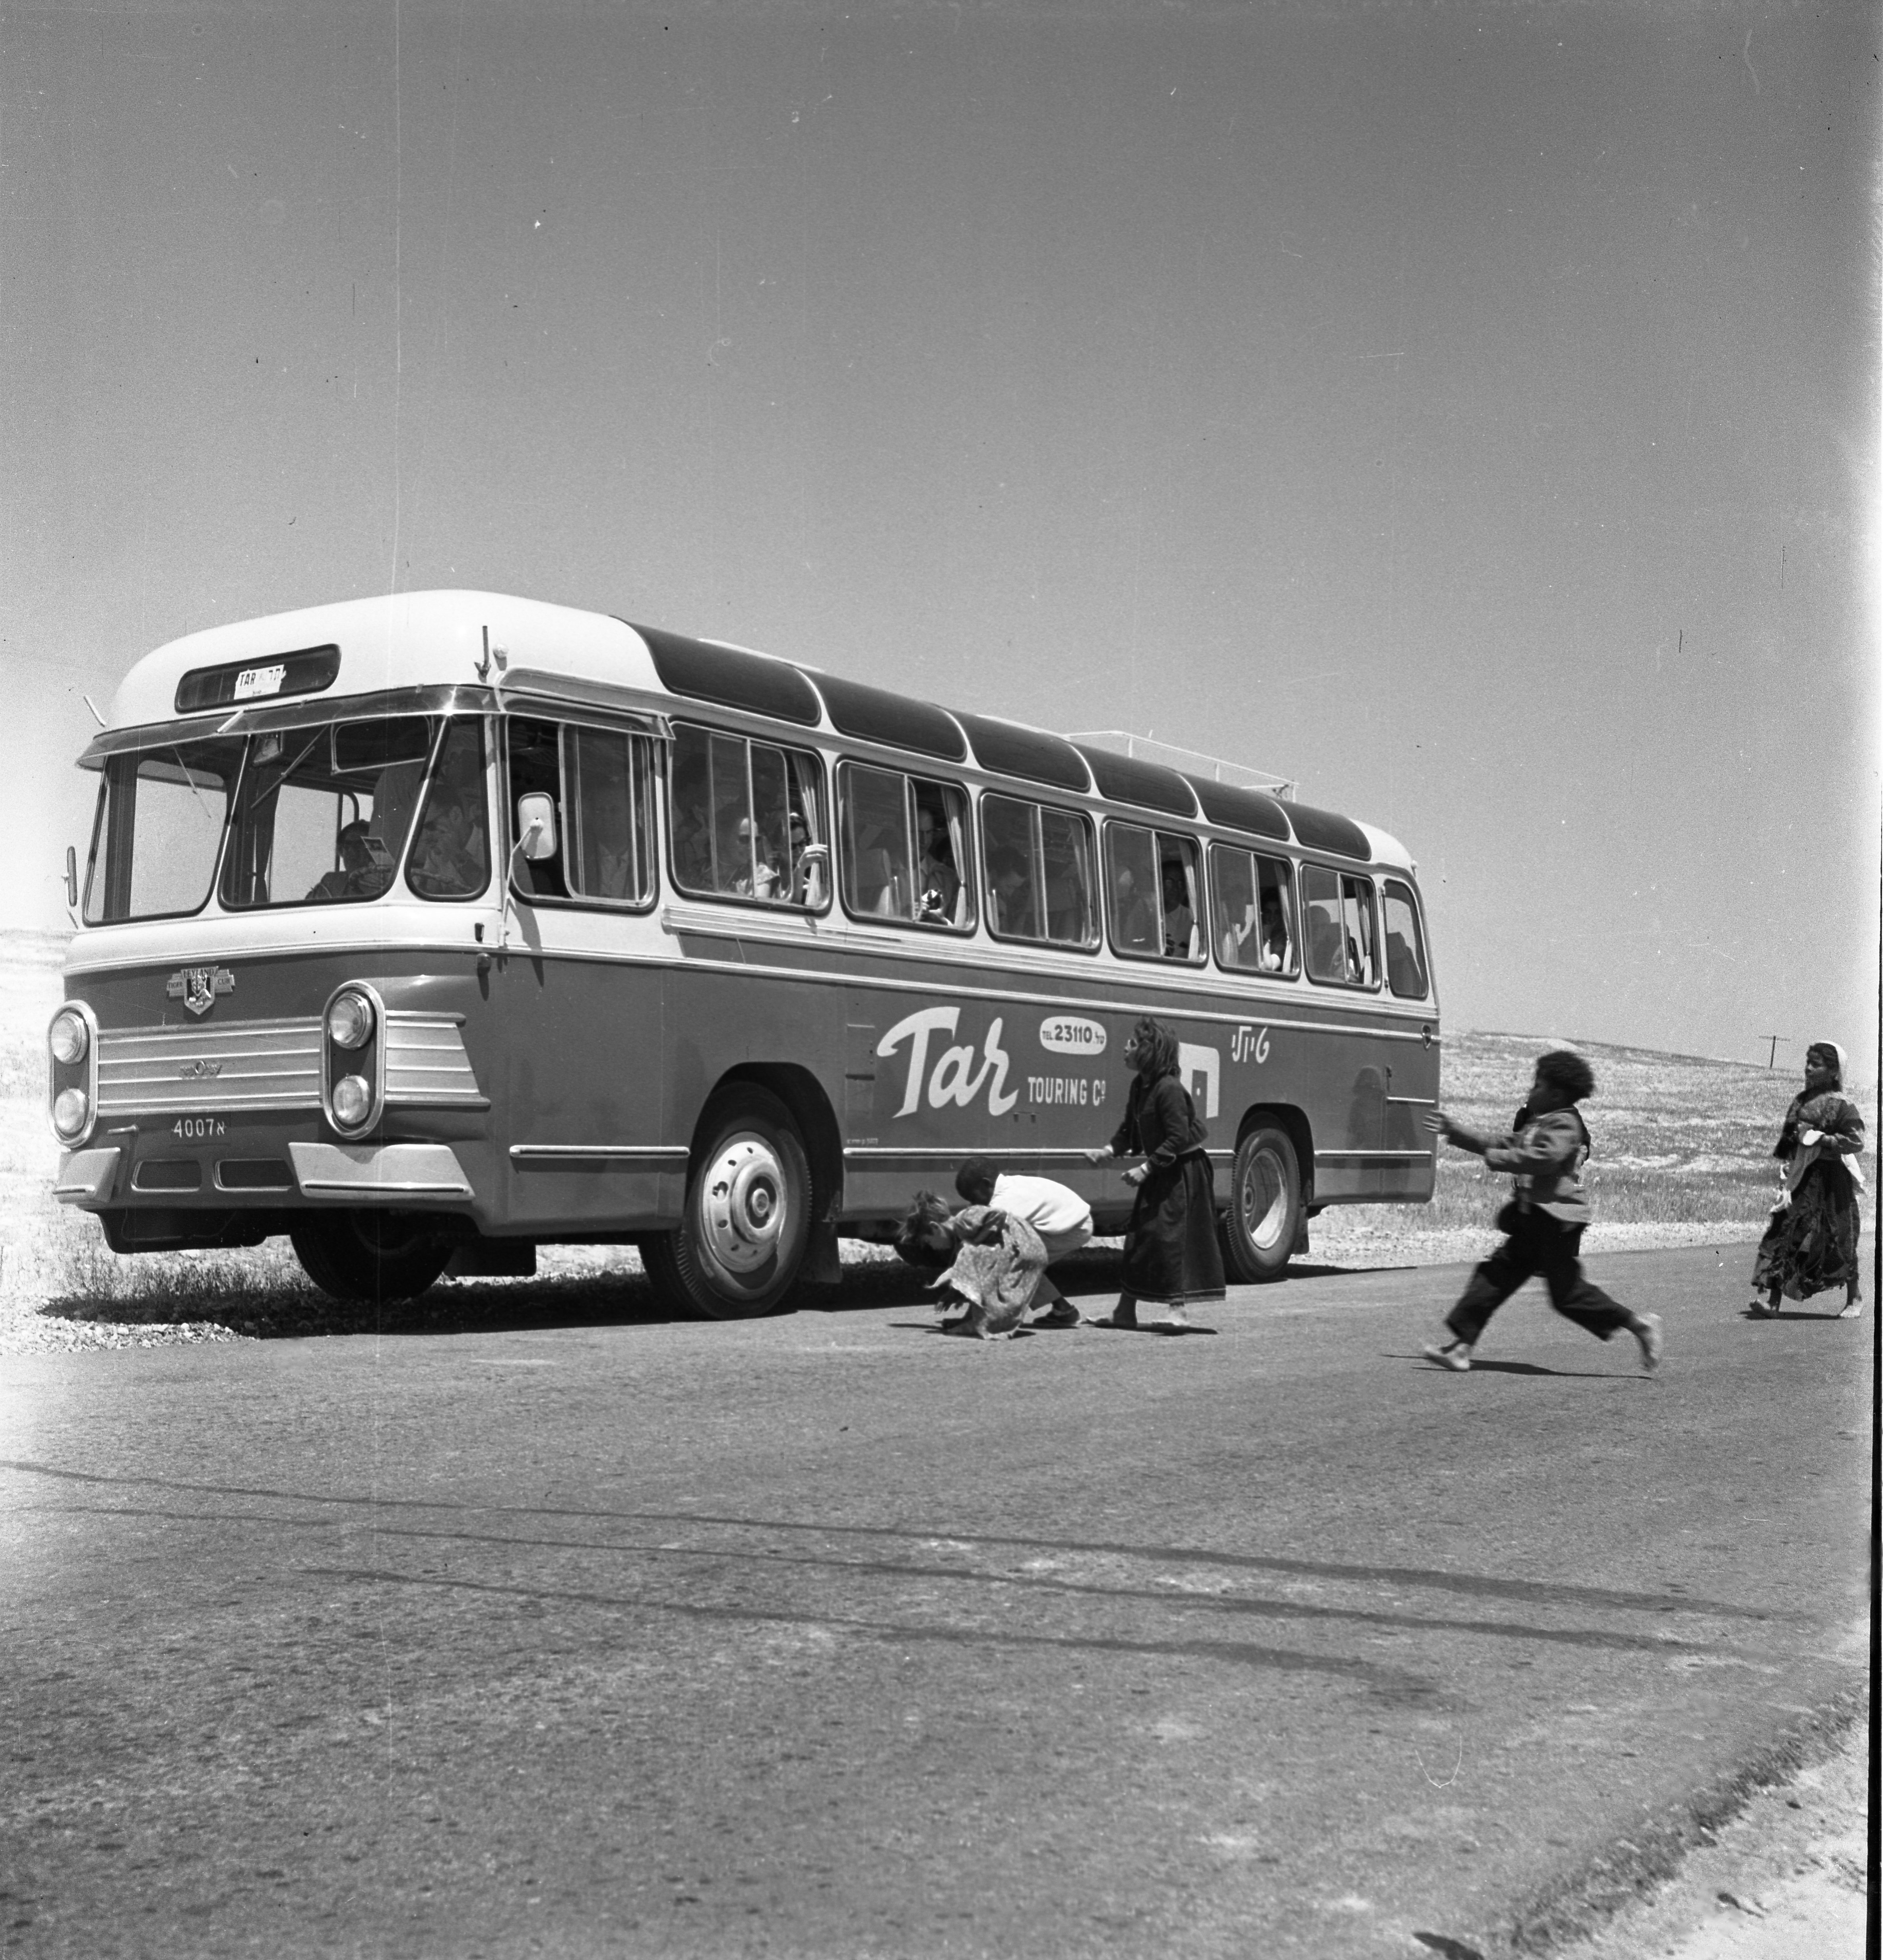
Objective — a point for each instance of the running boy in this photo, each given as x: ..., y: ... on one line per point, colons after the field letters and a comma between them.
x: 1544, y: 1220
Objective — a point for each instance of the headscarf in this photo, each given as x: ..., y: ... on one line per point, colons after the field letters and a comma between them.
x: 1788, y: 1136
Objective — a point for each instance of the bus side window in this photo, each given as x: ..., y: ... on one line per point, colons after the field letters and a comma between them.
x: 1132, y: 872
x: 1072, y: 908
x: 879, y: 871
x: 691, y: 808
x: 1233, y: 891
x: 1321, y: 898
x: 1405, y: 951
x: 1362, y: 936
x: 743, y: 814
x: 1010, y: 858
x: 1275, y: 918
x: 1180, y: 886
x: 534, y: 751
x: 605, y: 850
x: 943, y: 891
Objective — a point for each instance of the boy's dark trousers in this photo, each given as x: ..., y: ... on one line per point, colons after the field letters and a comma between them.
x: 1542, y: 1246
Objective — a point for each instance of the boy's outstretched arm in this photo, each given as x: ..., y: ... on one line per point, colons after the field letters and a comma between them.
x: 1453, y: 1131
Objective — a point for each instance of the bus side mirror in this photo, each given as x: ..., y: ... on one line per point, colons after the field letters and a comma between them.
x: 71, y: 876
x: 536, y: 826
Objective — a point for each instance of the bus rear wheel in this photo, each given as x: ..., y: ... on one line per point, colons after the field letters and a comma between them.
x: 747, y: 1220
x: 375, y: 1256
x: 1265, y: 1213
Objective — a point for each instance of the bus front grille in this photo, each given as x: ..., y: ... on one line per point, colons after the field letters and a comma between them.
x: 209, y: 1071
x: 273, y: 1065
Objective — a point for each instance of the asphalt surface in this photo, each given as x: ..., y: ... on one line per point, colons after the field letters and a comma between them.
x: 829, y: 1636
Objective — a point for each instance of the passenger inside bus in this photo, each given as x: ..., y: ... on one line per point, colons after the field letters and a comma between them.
x: 1010, y: 895
x: 365, y: 868
x: 1180, y: 922
x: 1134, y: 924
x: 762, y: 873
x: 451, y: 855
x: 1273, y: 956
x: 937, y: 881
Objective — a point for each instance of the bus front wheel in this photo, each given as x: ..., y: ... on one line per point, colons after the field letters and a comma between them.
x: 370, y: 1255
x: 1265, y: 1213
x: 747, y: 1221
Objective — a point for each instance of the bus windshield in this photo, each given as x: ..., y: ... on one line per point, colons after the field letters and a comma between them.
x: 160, y: 814
x: 323, y: 813
x: 315, y: 816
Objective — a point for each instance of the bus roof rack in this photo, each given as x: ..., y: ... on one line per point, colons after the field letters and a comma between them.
x: 1141, y: 748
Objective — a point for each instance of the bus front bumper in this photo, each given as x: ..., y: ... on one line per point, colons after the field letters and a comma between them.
x: 342, y: 1173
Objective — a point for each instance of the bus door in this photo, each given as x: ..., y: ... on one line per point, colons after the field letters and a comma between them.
x: 582, y: 1018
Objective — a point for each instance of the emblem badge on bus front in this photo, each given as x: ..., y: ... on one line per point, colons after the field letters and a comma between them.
x: 197, y: 986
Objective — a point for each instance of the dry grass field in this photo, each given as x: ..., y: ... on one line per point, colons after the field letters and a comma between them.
x: 1682, y: 1150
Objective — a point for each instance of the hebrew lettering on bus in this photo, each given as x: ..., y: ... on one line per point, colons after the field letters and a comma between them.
x: 1249, y: 1042
x: 956, y: 1078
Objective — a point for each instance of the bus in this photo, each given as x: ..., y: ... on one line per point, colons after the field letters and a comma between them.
x: 431, y: 929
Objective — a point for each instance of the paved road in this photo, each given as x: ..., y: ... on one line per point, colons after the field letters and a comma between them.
x: 825, y: 1636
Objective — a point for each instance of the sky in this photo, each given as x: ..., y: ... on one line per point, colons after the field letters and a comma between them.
x: 1470, y: 412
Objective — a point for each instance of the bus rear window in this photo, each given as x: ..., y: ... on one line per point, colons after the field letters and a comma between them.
x: 1405, y: 949
x: 160, y: 824
x: 323, y: 814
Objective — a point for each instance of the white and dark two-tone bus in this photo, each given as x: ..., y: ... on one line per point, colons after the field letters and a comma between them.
x: 431, y: 929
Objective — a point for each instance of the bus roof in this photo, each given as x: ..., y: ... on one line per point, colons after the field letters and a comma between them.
x: 408, y: 641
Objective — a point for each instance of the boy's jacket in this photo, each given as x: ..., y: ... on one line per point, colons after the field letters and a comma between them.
x: 1546, y: 1156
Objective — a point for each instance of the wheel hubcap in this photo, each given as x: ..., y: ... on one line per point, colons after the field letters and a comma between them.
x: 743, y: 1209
x: 1265, y: 1200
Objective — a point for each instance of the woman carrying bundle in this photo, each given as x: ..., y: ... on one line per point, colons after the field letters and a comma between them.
x: 1811, y: 1245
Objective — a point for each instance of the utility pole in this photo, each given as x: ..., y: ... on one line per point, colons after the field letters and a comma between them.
x: 1772, y: 1059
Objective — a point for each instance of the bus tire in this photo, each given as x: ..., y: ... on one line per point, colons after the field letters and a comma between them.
x: 374, y: 1256
x: 1264, y: 1215
x: 747, y: 1221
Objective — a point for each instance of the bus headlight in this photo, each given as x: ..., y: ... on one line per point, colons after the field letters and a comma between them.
x: 69, y: 1037
x: 349, y: 1023
x: 71, y: 1111
x: 352, y: 1099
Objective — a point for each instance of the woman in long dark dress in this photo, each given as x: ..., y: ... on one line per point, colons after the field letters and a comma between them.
x: 1811, y: 1245
x: 1171, y: 1252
